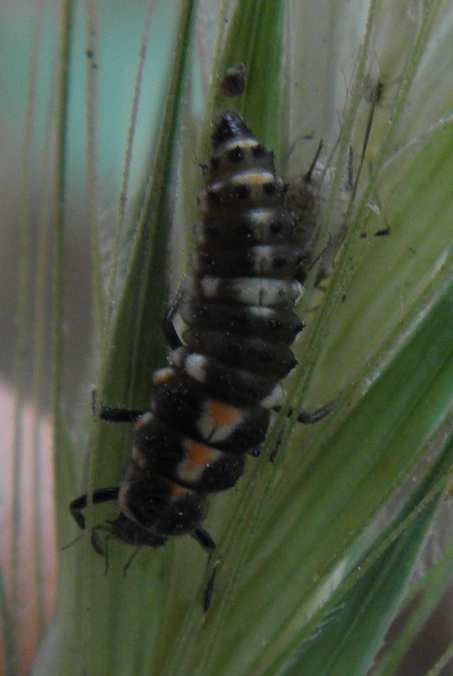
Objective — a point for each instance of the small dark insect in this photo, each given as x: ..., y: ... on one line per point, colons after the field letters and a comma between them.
x: 373, y: 90
x: 233, y: 81
x: 211, y: 407
x: 383, y: 232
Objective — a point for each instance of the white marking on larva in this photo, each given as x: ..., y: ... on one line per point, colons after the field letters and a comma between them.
x: 138, y: 457
x: 255, y: 179
x: 207, y: 286
x: 199, y: 233
x: 210, y: 286
x: 263, y: 257
x: 253, y: 291
x: 217, y: 186
x: 206, y: 425
x: 176, y: 357
x: 261, y: 215
x: 180, y: 326
x: 187, y: 471
x: 163, y: 375
x: 259, y: 220
x: 195, y: 366
x: 261, y: 312
x: 252, y: 179
x: 296, y: 337
x: 243, y: 143
x: 189, y: 287
x: 297, y: 289
x: 224, y: 432
x: 144, y: 419
x: 275, y: 398
x: 123, y: 501
x: 263, y: 291
x: 202, y: 201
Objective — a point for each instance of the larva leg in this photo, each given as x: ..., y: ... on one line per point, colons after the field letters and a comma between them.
x: 309, y: 174
x: 101, y: 495
x: 209, y: 589
x: 305, y: 417
x: 203, y: 538
x: 310, y: 417
x: 101, y: 548
x: 109, y: 414
x: 119, y: 415
x: 207, y: 595
x: 168, y: 326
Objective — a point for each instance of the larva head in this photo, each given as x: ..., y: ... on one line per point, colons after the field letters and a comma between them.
x: 235, y: 148
x: 229, y: 127
x: 241, y: 170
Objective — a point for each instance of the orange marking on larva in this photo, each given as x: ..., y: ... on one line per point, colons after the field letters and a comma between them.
x: 163, y: 376
x: 175, y: 490
x: 197, y: 454
x: 222, y: 414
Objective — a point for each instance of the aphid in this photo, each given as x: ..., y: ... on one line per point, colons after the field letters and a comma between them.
x: 211, y: 406
x: 233, y: 81
x: 383, y: 232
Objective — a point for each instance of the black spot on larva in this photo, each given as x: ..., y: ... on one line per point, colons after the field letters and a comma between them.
x: 259, y: 151
x: 214, y: 196
x: 202, y: 313
x: 234, y: 349
x: 212, y: 230
x: 275, y: 324
x: 223, y: 378
x: 242, y: 192
x: 244, y: 231
x: 215, y: 163
x: 236, y: 155
x: 210, y: 262
x: 279, y: 262
x: 276, y: 228
x: 235, y: 324
x: 270, y: 188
